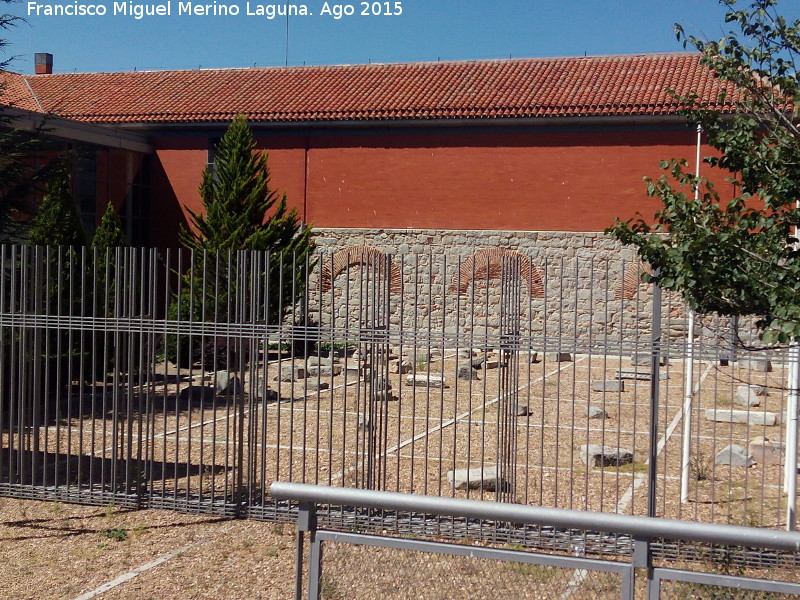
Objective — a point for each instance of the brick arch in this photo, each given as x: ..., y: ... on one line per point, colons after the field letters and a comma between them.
x: 475, y: 267
x: 361, y: 255
x: 631, y: 279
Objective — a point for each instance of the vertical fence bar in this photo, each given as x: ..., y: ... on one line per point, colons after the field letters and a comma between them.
x: 508, y: 408
x: 655, y: 374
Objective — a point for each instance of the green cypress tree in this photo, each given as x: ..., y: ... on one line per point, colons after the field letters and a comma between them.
x: 108, y: 236
x: 57, y: 225
x: 57, y: 222
x: 110, y: 233
x: 241, y: 212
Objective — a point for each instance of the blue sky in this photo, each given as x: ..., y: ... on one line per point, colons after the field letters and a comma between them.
x: 427, y: 30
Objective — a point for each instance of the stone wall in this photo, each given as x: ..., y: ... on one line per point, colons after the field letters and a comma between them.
x: 580, y: 306
x: 450, y: 243
x: 580, y: 276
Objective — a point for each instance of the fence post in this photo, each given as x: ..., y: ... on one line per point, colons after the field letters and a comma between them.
x: 306, y: 521
x: 642, y: 559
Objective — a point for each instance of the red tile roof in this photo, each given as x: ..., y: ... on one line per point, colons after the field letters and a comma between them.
x: 491, y: 89
x: 14, y: 91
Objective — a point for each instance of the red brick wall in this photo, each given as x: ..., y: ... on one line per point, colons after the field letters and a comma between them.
x: 568, y: 181
x: 176, y: 177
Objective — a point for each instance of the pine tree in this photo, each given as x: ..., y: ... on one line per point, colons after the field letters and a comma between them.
x: 57, y: 222
x: 57, y: 226
x: 110, y: 233
x: 237, y: 200
x: 241, y: 212
x: 107, y: 238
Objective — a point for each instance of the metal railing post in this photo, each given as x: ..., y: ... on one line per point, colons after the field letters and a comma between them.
x: 306, y: 521
x: 642, y: 559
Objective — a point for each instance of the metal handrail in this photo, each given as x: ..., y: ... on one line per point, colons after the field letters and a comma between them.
x: 644, y: 528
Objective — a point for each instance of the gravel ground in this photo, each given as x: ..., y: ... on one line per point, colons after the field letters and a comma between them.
x: 54, y: 550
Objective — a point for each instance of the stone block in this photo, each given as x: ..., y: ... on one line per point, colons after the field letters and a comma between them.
x: 400, y: 366
x: 522, y: 410
x: 311, y: 385
x: 197, y: 393
x: 734, y: 456
x: 354, y: 370
x: 765, y: 452
x: 617, y: 385
x: 464, y: 371
x: 291, y: 373
x: 595, y: 412
x: 381, y: 389
x: 594, y: 455
x: 320, y: 361
x: 742, y: 416
x: 642, y: 359
x: 420, y: 356
x: 559, y: 357
x: 761, y: 365
x: 425, y: 380
x: 264, y: 393
x: 749, y: 395
x: 494, y: 363
x: 487, y: 478
x: 324, y: 370
x: 227, y: 383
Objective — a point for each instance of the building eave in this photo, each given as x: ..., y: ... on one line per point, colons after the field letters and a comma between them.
x: 68, y: 129
x: 621, y: 120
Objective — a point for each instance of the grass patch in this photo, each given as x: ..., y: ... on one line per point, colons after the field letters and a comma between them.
x: 634, y: 467
x: 117, y: 534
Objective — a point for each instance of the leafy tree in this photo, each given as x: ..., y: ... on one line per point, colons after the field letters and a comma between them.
x: 241, y: 212
x: 737, y: 256
x: 57, y: 222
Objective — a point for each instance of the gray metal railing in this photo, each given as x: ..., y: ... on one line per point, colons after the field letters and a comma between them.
x: 642, y: 530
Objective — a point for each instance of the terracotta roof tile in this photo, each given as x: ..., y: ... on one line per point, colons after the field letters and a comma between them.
x: 14, y: 91
x: 552, y: 87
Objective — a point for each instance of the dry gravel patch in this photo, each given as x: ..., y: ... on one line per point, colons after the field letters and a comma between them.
x: 54, y: 550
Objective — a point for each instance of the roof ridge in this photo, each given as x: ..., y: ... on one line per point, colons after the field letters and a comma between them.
x: 521, y: 59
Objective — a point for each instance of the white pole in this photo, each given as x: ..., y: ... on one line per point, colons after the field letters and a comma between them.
x: 790, y: 474
x: 687, y: 410
x: 689, y: 370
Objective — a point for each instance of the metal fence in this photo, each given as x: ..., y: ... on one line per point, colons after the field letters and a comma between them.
x: 194, y: 381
